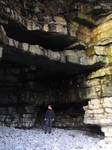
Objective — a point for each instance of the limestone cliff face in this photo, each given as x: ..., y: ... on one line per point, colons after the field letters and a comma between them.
x: 39, y: 27
x: 59, y: 39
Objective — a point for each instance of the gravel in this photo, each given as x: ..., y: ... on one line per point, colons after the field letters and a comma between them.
x: 60, y: 139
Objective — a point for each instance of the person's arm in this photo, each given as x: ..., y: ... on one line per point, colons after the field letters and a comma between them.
x: 46, y: 115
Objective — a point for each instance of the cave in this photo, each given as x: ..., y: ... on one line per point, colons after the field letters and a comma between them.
x: 58, y: 53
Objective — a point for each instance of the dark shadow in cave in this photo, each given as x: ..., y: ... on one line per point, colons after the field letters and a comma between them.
x: 49, y: 40
x: 66, y: 113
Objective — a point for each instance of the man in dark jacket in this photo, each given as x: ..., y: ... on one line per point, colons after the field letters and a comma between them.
x: 50, y: 115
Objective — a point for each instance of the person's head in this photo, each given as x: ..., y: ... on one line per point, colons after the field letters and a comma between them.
x: 49, y: 107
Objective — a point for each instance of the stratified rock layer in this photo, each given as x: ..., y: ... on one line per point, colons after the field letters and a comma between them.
x: 68, y: 41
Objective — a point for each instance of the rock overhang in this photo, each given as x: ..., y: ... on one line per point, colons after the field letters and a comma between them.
x: 52, y: 40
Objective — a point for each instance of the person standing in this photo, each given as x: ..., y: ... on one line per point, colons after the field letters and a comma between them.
x: 50, y: 116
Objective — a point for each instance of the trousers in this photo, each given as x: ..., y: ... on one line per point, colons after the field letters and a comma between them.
x: 48, y: 123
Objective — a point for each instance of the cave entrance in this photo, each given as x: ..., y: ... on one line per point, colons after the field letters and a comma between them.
x: 26, y: 90
x: 32, y: 77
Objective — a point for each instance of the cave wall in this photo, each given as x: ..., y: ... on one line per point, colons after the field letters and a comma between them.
x: 96, y: 85
x: 22, y: 94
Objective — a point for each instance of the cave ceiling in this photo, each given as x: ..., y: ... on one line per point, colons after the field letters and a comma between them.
x: 49, y: 34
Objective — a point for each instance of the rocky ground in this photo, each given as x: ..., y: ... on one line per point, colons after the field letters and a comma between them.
x: 59, y: 139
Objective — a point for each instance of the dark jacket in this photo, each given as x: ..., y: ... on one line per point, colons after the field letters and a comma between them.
x: 50, y: 114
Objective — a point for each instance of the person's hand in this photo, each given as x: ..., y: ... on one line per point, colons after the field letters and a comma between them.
x: 45, y: 119
x: 52, y: 119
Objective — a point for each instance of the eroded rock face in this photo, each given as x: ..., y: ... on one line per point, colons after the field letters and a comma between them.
x: 68, y: 41
x: 22, y: 92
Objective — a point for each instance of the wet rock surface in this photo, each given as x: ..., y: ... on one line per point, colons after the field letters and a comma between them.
x: 59, y: 139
